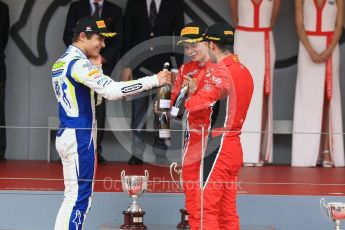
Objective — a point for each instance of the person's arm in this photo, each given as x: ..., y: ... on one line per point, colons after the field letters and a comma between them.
x: 213, y: 90
x: 234, y: 14
x: 275, y: 12
x: 70, y: 24
x: 337, y: 32
x: 6, y: 28
x: 86, y: 73
x: 315, y: 57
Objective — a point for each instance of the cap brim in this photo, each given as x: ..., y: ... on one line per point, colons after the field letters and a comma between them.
x: 190, y: 40
x: 108, y: 34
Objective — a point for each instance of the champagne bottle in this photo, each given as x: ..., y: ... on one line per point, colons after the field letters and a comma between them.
x: 164, y: 126
x: 178, y: 106
x: 164, y: 95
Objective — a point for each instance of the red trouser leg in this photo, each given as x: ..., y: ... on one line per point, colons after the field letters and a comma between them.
x: 190, y: 182
x: 194, y: 216
x: 190, y: 169
x: 228, y: 218
x: 219, y: 192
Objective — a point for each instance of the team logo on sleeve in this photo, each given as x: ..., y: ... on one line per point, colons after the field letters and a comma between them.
x: 103, y: 82
x: 57, y: 88
x: 132, y: 88
x: 94, y: 73
x: 216, y: 80
x: 207, y: 88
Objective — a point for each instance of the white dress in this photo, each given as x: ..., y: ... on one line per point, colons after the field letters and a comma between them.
x: 319, y: 23
x: 254, y: 44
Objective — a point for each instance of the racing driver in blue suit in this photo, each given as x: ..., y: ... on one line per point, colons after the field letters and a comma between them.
x: 76, y: 76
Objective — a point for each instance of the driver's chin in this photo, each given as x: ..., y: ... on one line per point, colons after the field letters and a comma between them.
x: 195, y: 58
x: 94, y: 54
x: 213, y: 59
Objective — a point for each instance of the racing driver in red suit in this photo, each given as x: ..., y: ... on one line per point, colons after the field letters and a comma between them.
x: 196, y: 50
x: 224, y: 94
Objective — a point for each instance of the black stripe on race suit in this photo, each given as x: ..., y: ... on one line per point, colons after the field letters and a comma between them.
x: 218, y: 119
x: 211, y: 154
x: 219, y: 112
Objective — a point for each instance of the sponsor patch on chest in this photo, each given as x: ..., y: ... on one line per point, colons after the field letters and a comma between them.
x: 89, y: 66
x: 192, y: 73
x: 209, y: 71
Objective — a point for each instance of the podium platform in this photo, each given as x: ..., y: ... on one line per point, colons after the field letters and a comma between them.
x: 34, y: 191
x: 149, y: 227
x: 268, y: 180
x: 173, y: 227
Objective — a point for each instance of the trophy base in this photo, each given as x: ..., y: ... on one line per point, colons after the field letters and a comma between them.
x: 184, y: 220
x: 133, y: 220
x: 337, y: 225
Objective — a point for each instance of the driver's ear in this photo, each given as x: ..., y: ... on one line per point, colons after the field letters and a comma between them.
x: 82, y: 36
x: 212, y: 45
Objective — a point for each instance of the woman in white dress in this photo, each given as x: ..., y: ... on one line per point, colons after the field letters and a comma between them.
x: 318, y: 100
x: 254, y: 44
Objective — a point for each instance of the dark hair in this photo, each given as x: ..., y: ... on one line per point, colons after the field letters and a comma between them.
x: 76, y: 34
x: 224, y: 47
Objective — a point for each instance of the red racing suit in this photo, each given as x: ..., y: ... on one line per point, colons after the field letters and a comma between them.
x: 193, y: 135
x: 224, y: 94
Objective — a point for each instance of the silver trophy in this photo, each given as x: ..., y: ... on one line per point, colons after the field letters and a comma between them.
x: 335, y: 211
x: 184, y: 215
x: 173, y: 169
x: 134, y: 186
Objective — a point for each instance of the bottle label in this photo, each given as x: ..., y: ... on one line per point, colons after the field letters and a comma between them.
x: 164, y: 104
x: 174, y: 111
x: 164, y: 133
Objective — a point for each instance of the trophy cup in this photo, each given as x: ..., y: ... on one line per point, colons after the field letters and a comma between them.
x: 134, y: 186
x: 335, y: 212
x: 184, y: 215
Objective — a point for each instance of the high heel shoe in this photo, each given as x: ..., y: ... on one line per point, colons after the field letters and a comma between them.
x: 259, y: 164
x: 326, y: 163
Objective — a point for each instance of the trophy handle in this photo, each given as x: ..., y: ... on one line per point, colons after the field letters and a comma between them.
x: 123, y: 174
x: 323, y: 206
x: 146, y: 174
x: 173, y: 168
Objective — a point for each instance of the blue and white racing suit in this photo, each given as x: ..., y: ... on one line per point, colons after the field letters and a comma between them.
x: 75, y: 79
